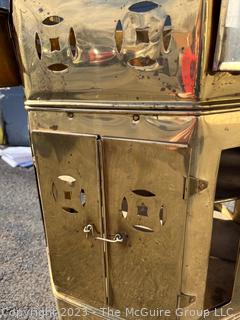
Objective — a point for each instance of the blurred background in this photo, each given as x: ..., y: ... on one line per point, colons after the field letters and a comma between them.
x: 13, y: 117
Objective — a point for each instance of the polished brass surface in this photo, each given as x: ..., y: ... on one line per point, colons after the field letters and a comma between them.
x: 152, y: 227
x: 114, y: 50
x: 131, y: 139
x: 146, y: 269
x: 215, y: 133
x: 134, y: 51
x: 135, y: 126
x: 174, y: 129
x: 64, y: 162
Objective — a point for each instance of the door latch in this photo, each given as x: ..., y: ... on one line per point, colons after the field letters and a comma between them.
x: 89, y: 229
x: 117, y: 238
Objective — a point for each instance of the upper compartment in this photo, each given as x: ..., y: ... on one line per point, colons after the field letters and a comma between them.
x: 111, y: 50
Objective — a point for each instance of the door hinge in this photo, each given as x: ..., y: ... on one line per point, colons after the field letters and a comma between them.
x: 184, y: 300
x: 193, y: 185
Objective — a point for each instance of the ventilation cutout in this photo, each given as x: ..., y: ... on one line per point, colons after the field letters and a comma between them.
x: 70, y: 210
x: 68, y: 179
x: 58, y: 67
x: 162, y: 215
x: 143, y: 6
x: 73, y: 43
x: 124, y: 207
x: 144, y: 193
x: 142, y: 210
x: 142, y: 36
x: 142, y: 62
x: 54, y: 192
x: 38, y: 46
x: 142, y: 228
x: 167, y: 34
x: 52, y: 20
x: 83, y: 197
x: 119, y: 36
x: 55, y: 45
x: 68, y: 195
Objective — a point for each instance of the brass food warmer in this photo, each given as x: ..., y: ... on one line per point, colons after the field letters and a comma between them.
x: 134, y: 120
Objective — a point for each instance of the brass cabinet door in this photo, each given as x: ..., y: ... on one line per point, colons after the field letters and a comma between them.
x: 67, y: 167
x: 144, y: 187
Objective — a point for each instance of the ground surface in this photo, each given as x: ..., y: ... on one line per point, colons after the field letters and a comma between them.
x: 25, y: 291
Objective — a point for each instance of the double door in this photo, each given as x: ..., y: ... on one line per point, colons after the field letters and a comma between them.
x: 114, y: 213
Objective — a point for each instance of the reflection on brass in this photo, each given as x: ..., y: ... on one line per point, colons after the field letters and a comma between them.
x: 134, y: 50
x: 145, y: 46
x: 137, y: 152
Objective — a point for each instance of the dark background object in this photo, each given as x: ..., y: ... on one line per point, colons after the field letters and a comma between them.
x: 228, y: 183
x: 9, y: 69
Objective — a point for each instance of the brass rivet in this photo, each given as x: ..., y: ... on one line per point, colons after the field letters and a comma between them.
x: 136, y: 118
x: 70, y: 115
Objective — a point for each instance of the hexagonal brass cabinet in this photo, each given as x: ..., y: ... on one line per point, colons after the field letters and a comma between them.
x: 134, y: 113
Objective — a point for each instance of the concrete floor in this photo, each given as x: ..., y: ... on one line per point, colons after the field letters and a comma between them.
x: 25, y: 291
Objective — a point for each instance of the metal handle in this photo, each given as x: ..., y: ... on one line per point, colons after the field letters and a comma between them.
x: 117, y: 238
x: 89, y: 229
